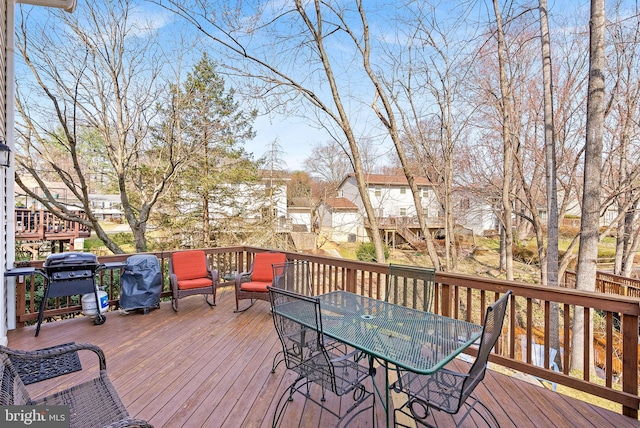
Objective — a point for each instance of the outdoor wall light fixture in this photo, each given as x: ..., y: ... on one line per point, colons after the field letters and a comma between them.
x: 5, y: 154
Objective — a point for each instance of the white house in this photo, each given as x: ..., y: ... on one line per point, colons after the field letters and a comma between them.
x: 340, y: 220
x: 391, y: 195
x: 299, y: 211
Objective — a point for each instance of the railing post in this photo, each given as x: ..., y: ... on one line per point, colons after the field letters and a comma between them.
x: 447, y: 298
x: 630, y: 360
x: 351, y: 280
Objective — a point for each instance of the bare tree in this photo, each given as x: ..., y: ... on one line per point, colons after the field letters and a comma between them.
x: 505, y: 92
x: 328, y: 163
x: 621, y: 167
x: 98, y: 77
x: 550, y: 268
x: 287, y: 64
x: 589, y: 225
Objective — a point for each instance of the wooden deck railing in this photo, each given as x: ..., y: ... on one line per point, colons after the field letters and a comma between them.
x: 42, y: 225
x: 457, y: 296
x: 608, y: 283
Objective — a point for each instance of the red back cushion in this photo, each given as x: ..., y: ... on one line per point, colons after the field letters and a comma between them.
x: 262, y: 269
x: 189, y: 264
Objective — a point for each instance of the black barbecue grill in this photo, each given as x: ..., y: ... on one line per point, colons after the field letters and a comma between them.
x: 68, y: 274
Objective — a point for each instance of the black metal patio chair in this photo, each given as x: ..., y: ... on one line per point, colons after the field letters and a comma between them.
x: 411, y: 286
x: 447, y: 390
x: 333, y: 367
x: 293, y: 276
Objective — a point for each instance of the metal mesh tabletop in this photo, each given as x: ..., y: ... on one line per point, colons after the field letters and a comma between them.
x: 414, y: 340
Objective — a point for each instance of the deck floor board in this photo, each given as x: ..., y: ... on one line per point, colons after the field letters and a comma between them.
x: 211, y: 367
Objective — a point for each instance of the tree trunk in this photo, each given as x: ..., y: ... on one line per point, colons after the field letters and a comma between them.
x: 505, y: 95
x: 550, y: 273
x: 589, y: 236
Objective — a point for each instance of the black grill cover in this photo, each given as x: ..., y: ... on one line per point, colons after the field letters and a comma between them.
x: 141, y: 283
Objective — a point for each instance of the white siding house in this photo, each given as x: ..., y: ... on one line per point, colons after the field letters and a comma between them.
x: 340, y: 221
x: 391, y: 196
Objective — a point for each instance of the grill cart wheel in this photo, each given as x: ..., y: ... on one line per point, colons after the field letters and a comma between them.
x: 99, y: 319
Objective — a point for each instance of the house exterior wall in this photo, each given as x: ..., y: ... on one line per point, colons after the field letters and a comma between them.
x: 7, y: 227
x: 349, y: 190
x: 391, y: 200
x: 346, y: 226
x: 301, y: 217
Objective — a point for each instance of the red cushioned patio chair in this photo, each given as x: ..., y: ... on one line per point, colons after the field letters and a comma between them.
x: 253, y: 284
x: 189, y: 274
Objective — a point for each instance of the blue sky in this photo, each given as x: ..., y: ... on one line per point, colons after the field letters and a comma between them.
x: 293, y: 134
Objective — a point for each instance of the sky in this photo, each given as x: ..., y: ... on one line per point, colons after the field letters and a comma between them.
x: 294, y: 135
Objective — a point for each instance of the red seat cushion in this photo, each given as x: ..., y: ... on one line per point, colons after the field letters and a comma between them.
x: 262, y: 266
x: 255, y: 286
x: 188, y: 284
x: 189, y: 265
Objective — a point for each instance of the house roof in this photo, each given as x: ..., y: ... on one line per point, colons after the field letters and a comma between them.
x: 300, y: 202
x: 389, y: 180
x: 340, y: 204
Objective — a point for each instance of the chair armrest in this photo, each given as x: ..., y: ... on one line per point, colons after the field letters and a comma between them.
x: 242, y: 277
x: 338, y: 358
x: 214, y: 275
x: 50, y: 354
x: 129, y: 423
x: 173, y: 280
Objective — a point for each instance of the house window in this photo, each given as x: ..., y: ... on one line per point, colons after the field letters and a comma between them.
x: 341, y: 193
x: 403, y: 190
x: 378, y: 191
x: 403, y: 211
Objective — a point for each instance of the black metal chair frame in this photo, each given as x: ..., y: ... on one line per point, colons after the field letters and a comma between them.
x: 334, y: 368
x: 293, y: 276
x: 411, y: 286
x: 448, y: 390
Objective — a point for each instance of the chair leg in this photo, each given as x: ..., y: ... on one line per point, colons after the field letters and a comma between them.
x: 490, y: 419
x: 242, y: 310
x: 174, y: 304
x: 277, y: 359
x: 206, y: 299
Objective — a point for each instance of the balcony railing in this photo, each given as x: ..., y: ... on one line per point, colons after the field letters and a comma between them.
x: 42, y: 225
x: 457, y: 296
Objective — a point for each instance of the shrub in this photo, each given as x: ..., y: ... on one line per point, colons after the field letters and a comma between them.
x: 366, y: 252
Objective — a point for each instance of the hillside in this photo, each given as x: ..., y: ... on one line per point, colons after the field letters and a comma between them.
x: 483, y: 261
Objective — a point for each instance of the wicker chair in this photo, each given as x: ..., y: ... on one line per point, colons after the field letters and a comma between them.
x: 189, y: 274
x: 333, y: 367
x: 447, y: 390
x: 94, y: 403
x: 252, y: 285
x: 411, y: 286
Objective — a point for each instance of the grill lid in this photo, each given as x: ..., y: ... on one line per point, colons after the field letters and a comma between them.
x: 70, y: 259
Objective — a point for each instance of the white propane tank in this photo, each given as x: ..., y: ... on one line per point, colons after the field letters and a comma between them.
x: 89, y: 303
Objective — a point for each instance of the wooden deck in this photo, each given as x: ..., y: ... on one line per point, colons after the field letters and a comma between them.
x: 211, y: 367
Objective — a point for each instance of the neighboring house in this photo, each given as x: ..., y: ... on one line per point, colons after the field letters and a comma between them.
x: 106, y: 207
x: 340, y: 220
x: 253, y: 201
x: 393, y: 204
x: 475, y: 213
x: 299, y: 211
x: 391, y: 196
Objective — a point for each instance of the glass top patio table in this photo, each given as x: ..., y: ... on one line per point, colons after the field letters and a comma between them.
x: 414, y: 340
